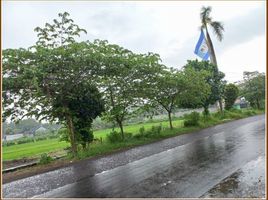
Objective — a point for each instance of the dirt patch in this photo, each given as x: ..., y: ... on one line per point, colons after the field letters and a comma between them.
x: 14, y: 163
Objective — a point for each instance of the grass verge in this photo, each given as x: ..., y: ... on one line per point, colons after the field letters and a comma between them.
x: 35, y: 149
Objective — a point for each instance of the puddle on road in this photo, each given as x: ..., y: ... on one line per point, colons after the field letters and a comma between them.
x: 247, y: 182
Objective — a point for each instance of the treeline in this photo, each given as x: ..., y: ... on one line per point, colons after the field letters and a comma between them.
x: 72, y: 83
x: 27, y: 126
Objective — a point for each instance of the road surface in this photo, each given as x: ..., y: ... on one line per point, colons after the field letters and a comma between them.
x: 226, y: 160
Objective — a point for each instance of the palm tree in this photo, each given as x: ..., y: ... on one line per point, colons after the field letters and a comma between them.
x: 218, y: 29
x: 216, y: 26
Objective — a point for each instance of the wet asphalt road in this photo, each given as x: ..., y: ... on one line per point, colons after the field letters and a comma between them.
x: 191, y: 165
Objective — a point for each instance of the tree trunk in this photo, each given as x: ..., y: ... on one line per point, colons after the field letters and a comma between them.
x: 72, y: 136
x: 170, y: 121
x: 206, y: 111
x: 221, y: 107
x: 213, y: 59
x: 211, y: 49
x: 120, y: 124
x: 258, y: 104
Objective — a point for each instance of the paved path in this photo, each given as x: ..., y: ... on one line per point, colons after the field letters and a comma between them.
x: 184, y: 166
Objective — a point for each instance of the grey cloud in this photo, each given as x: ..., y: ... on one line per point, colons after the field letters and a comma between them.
x: 242, y: 29
x: 239, y: 30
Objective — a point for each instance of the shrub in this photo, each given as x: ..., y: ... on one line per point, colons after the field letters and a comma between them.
x: 156, y: 129
x: 128, y: 136
x: 250, y: 112
x: 40, y: 138
x: 85, y: 136
x: 9, y: 143
x: 232, y: 115
x: 192, y: 119
x: 142, y: 130
x: 25, y: 140
x: 114, y: 137
x: 45, y: 159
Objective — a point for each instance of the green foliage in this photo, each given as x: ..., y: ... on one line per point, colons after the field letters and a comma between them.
x: 154, y: 132
x: 62, y: 32
x: 85, y: 137
x: 45, y: 159
x: 64, y: 135
x: 114, y: 136
x: 231, y: 93
x: 52, y: 145
x: 142, y: 130
x: 173, y: 89
x: 53, y: 79
x: 8, y: 143
x: 25, y: 140
x: 191, y: 119
x: 213, y: 77
x: 120, y: 79
x: 253, y: 88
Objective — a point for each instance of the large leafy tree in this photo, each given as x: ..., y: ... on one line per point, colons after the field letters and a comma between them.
x: 171, y: 89
x: 213, y: 77
x: 51, y: 79
x: 118, y: 79
x: 230, y: 93
x: 253, y: 88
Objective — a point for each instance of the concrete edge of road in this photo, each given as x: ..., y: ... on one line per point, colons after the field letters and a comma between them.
x: 30, y: 164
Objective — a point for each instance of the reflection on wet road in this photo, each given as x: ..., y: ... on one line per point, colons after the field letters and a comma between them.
x: 193, y: 168
x: 249, y: 181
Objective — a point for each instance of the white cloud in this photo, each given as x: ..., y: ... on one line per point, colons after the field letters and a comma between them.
x: 167, y: 28
x: 249, y: 56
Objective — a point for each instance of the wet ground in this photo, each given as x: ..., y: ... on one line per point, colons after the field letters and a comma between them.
x: 249, y: 181
x: 222, y: 161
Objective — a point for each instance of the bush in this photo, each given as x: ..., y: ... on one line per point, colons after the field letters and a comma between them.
x: 142, y: 130
x: 232, y: 115
x: 45, y: 159
x: 85, y: 136
x: 25, y: 140
x: 192, y: 119
x: 250, y: 112
x: 40, y: 138
x: 155, y: 131
x: 128, y: 136
x: 9, y: 143
x: 114, y: 137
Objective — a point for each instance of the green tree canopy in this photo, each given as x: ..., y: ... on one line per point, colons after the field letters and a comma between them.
x: 213, y: 77
x: 49, y: 80
x: 230, y: 93
x: 253, y: 88
x: 172, y: 89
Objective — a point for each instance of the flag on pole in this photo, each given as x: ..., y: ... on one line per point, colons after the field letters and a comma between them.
x: 201, y: 48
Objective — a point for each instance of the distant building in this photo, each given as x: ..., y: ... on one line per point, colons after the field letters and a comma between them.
x: 41, y: 130
x: 240, y: 102
x: 12, y: 137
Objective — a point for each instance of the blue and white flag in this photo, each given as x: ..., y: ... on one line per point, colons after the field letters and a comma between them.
x: 201, y: 48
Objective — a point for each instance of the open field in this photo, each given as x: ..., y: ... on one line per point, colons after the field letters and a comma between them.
x: 134, y: 128
x: 35, y: 149
x: 32, y: 149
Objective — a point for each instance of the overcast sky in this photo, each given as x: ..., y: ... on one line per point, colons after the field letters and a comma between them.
x: 168, y: 28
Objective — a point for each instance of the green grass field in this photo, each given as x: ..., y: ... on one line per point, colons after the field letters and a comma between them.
x: 35, y: 149
x: 134, y: 129
x: 32, y: 149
